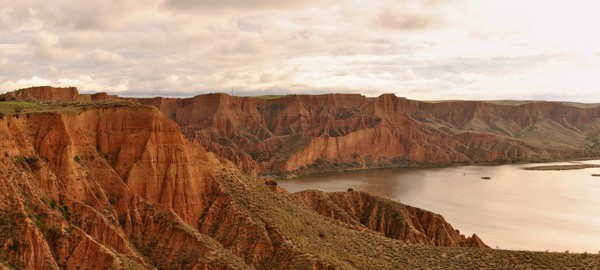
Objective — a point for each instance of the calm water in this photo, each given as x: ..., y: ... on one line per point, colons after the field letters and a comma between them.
x: 517, y: 209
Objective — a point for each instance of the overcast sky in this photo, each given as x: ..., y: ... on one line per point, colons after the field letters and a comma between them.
x: 420, y: 49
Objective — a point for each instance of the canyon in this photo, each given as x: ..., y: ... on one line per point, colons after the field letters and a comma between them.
x: 314, y: 133
x: 125, y: 187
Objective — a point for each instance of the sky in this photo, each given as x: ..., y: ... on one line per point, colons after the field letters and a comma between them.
x: 420, y: 49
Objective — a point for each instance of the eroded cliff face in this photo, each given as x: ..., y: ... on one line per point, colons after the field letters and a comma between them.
x: 123, y: 188
x: 48, y: 93
x: 72, y: 195
x: 390, y: 218
x: 328, y: 132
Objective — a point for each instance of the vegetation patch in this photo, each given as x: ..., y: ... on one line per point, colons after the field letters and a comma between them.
x: 26, y: 162
x: 63, y: 209
x: 30, y: 106
x: 9, y: 224
x: 268, y: 97
x: 291, y: 145
x: 10, y: 107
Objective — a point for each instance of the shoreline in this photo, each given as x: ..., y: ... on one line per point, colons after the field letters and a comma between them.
x: 562, y: 167
x: 418, y: 165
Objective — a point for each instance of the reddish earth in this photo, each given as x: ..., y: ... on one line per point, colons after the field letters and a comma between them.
x: 48, y: 93
x: 327, y: 132
x: 304, y: 133
x: 390, y: 218
x: 122, y: 187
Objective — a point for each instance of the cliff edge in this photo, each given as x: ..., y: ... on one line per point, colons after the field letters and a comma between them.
x: 311, y: 133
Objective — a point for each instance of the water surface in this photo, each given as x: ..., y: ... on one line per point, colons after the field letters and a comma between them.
x: 516, y: 209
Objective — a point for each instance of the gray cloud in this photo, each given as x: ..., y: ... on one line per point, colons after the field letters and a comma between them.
x: 211, y: 5
x: 392, y: 20
x: 182, y: 47
x: 47, y: 47
x: 105, y: 57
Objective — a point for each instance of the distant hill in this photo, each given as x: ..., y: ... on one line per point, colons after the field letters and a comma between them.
x: 118, y: 186
x: 48, y: 93
x: 308, y: 133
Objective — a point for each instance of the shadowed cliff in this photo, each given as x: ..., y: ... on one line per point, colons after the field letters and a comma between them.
x: 121, y: 188
x: 309, y: 133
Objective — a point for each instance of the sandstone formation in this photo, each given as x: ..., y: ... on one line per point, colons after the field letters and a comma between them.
x: 121, y: 188
x: 309, y: 133
x: 390, y: 218
x: 48, y: 93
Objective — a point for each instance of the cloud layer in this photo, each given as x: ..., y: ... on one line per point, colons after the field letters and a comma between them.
x: 422, y: 49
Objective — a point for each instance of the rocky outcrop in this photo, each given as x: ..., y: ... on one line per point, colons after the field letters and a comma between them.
x: 73, y: 181
x: 390, y: 218
x: 121, y: 187
x: 328, y: 132
x: 48, y: 93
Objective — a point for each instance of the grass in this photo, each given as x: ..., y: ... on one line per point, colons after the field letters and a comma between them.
x: 268, y: 97
x: 292, y: 144
x: 333, y: 243
x: 26, y: 162
x: 10, y: 107
x: 18, y: 107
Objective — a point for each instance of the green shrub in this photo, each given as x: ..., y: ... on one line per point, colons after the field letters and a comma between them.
x: 18, y: 108
x: 53, y: 204
x: 26, y: 162
x: 52, y: 231
x: 64, y: 210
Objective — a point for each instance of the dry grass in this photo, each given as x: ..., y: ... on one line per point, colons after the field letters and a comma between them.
x: 22, y: 107
x: 340, y: 244
x: 268, y: 97
x: 292, y: 144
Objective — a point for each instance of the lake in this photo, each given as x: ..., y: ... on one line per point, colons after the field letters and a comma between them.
x: 516, y: 209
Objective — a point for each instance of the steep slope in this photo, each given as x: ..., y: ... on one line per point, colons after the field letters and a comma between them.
x: 121, y: 188
x: 69, y: 178
x: 328, y: 132
x: 390, y: 218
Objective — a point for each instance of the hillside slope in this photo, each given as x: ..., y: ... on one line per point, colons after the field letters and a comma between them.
x: 308, y: 133
x: 124, y: 186
x: 390, y: 218
x: 121, y: 188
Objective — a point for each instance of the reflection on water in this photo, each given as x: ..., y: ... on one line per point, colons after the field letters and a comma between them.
x: 516, y: 209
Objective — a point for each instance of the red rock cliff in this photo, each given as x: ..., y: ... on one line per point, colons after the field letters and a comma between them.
x: 325, y: 132
x: 122, y: 188
x: 48, y: 93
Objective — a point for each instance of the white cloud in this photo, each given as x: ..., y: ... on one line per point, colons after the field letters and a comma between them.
x: 87, y: 83
x: 47, y: 47
x: 33, y: 81
x: 427, y: 49
x: 102, y: 56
